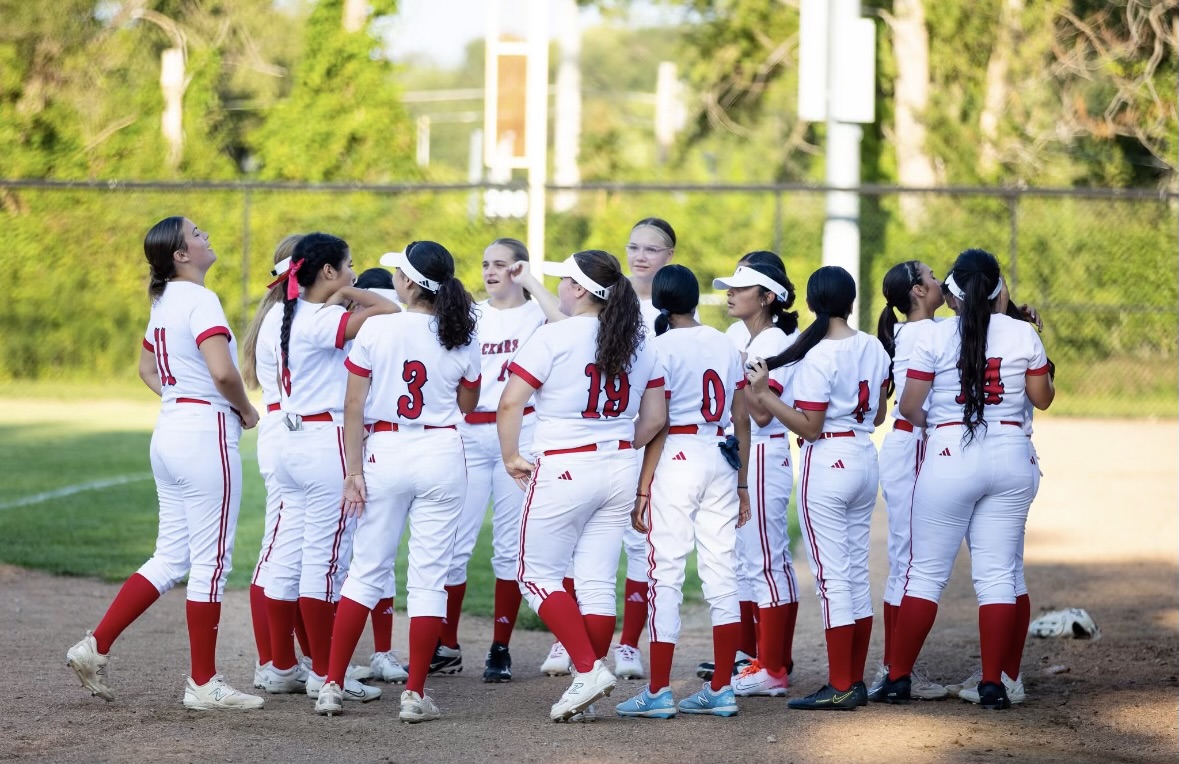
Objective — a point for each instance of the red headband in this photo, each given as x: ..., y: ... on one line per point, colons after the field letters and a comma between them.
x: 292, y: 282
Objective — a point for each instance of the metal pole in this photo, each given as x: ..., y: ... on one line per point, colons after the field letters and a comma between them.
x: 778, y: 222
x: 536, y: 124
x: 245, y: 319
x: 1013, y: 218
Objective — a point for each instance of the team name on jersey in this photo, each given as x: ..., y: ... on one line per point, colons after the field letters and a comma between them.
x: 495, y: 348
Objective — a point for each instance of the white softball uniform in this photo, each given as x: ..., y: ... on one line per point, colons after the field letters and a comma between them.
x: 194, y: 447
x: 980, y: 489
x: 310, y: 553
x: 500, y: 333
x: 839, y: 473
x: 270, y: 429
x: 413, y: 459
x: 583, y: 485
x: 765, y: 567
x: 694, y: 493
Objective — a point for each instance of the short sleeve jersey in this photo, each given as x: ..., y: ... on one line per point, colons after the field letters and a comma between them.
x: 1014, y: 351
x: 770, y: 342
x: 738, y: 334
x: 266, y: 355
x: 501, y: 332
x: 701, y: 370
x: 314, y: 380
x: 186, y: 315
x: 905, y: 338
x: 575, y: 403
x: 843, y: 377
x: 414, y: 379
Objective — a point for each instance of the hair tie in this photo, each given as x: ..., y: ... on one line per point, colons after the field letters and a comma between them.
x: 665, y: 312
x: 292, y: 282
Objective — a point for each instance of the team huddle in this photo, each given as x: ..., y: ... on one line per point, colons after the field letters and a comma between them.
x: 605, y: 419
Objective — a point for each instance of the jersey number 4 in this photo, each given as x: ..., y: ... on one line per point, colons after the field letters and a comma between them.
x: 617, y: 390
x: 414, y: 374
x: 863, y: 401
x: 992, y: 384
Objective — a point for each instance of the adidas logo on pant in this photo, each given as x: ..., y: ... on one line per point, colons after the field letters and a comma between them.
x: 565, y: 476
x: 838, y: 465
x: 679, y: 457
x: 945, y: 452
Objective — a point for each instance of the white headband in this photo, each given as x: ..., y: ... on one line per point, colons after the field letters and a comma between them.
x: 957, y: 290
x: 401, y: 260
x: 570, y: 269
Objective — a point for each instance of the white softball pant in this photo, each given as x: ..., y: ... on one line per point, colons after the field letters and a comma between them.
x: 981, y: 491
x: 428, y: 489
x: 1021, y: 584
x: 198, y: 473
x: 838, y: 480
x: 765, y: 567
x: 693, y: 504
x: 487, y: 479
x: 635, y: 543
x: 576, y: 506
x: 313, y: 545
x: 269, y: 447
x: 900, y: 461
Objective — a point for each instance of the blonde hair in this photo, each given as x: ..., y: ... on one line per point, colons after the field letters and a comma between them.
x: 285, y: 249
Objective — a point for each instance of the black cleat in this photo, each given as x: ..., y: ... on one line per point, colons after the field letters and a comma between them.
x: 705, y: 670
x: 861, y: 691
x: 828, y: 699
x: 446, y: 660
x: 892, y: 691
x: 993, y: 696
x: 498, y: 667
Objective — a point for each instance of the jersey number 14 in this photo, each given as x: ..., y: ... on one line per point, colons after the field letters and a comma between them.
x: 992, y: 384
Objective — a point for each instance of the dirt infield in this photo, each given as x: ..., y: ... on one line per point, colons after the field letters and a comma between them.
x: 1102, y: 535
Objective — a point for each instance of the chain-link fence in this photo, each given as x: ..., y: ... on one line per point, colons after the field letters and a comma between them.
x: 1101, y: 266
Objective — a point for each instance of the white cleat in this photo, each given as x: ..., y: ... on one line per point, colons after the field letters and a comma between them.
x: 970, y: 683
x: 588, y: 716
x: 386, y: 668
x: 924, y: 688
x: 755, y: 680
x: 352, y: 689
x: 557, y: 664
x: 417, y: 708
x: 330, y: 701
x: 282, y: 681
x: 90, y: 666
x: 586, y: 688
x: 259, y: 673
x: 1015, y: 691
x: 217, y: 695
x: 628, y: 663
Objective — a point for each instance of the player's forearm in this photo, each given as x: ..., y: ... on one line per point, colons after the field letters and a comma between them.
x: 807, y: 427
x: 509, y: 418
x: 233, y: 389
x: 651, y: 460
x: 744, y: 433
x: 354, y: 434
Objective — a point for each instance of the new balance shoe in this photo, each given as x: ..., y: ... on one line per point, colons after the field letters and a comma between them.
x: 557, y: 664
x: 628, y: 663
x: 330, y: 700
x: 1014, y: 688
x: 588, y: 716
x: 970, y: 683
x: 280, y: 681
x: 923, y: 688
x: 90, y: 666
x: 894, y: 691
x: 417, y: 708
x: 387, y: 668
x: 352, y: 689
x: 498, y: 666
x: 993, y: 696
x: 720, y: 702
x: 446, y: 660
x: 217, y: 695
x: 585, y: 689
x: 828, y: 699
x: 755, y: 680
x: 660, y: 705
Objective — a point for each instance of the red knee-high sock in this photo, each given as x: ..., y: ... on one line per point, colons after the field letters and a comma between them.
x: 423, y: 638
x: 725, y: 642
x: 346, y: 630
x: 1019, y: 635
x: 840, y: 643
x: 890, y: 618
x: 861, y: 639
x: 318, y: 617
x: 600, y: 629
x: 911, y: 625
x: 634, y: 612
x: 995, y: 624
x: 748, y: 628
x: 203, y: 618
x: 301, y: 633
x: 382, y: 616
x: 282, y: 616
x: 136, y: 596
x: 507, y: 607
x: 771, y: 625
x: 454, y: 611
x: 559, y: 612
x: 261, y: 622
x: 661, y: 655
x: 788, y: 634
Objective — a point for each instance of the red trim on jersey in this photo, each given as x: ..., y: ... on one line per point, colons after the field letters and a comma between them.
x: 741, y: 383
x: 1038, y: 372
x: 657, y: 382
x: 148, y: 346
x: 775, y: 386
x: 924, y: 376
x: 213, y: 332
x: 667, y: 394
x: 515, y: 368
x: 472, y: 385
x: 341, y: 330
x: 811, y: 405
x: 359, y: 371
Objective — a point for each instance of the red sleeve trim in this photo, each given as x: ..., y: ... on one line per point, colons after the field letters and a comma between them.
x: 341, y: 330
x: 741, y: 383
x: 206, y: 334
x: 524, y: 375
x: 776, y: 387
x: 148, y: 346
x: 471, y: 385
x: 924, y: 376
x: 359, y: 371
x: 810, y: 406
x: 657, y: 382
x: 1038, y: 372
x: 667, y: 394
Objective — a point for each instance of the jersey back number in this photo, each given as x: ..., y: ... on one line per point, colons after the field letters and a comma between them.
x: 414, y: 374
x: 616, y: 390
x: 713, y: 402
x: 992, y: 384
x: 863, y: 401
x: 163, y: 366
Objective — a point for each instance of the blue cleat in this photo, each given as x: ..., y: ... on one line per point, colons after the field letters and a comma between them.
x: 658, y: 706
x: 720, y: 702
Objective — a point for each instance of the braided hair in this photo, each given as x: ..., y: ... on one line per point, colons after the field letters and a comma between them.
x: 312, y: 253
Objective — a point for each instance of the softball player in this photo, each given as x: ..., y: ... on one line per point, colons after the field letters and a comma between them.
x: 590, y: 375
x: 840, y: 395
x: 911, y: 288
x: 313, y: 544
x: 413, y: 375
x: 761, y: 296
x: 189, y: 359
x: 737, y: 332
x: 978, y: 371
x: 689, y: 496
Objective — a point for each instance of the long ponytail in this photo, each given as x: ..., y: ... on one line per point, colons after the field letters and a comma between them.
x: 976, y: 275
x: 162, y: 241
x: 830, y: 291
x: 454, y: 308
x: 311, y: 253
x: 674, y: 291
x: 897, y: 288
x: 285, y: 249
x: 620, y: 322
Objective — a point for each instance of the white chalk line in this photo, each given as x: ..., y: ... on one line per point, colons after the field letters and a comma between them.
x: 70, y: 490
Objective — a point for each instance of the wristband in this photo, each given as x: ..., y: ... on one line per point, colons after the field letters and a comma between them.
x: 739, y: 486
x: 355, y: 474
x: 644, y: 495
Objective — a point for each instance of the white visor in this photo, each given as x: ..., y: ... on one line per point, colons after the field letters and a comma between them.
x: 956, y: 290
x: 570, y: 269
x: 747, y: 277
x: 400, y: 260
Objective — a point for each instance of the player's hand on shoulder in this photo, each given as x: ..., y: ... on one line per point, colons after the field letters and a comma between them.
x: 520, y: 469
x: 1032, y: 316
x: 249, y: 418
x: 355, y: 495
x: 638, y: 515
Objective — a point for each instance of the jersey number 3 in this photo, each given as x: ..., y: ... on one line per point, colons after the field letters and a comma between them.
x: 414, y: 374
x: 992, y: 384
x: 617, y: 390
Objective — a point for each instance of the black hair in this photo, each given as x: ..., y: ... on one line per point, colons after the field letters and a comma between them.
x: 454, y: 308
x: 285, y: 249
x: 519, y: 252
x: 312, y: 253
x: 897, y: 287
x: 659, y: 223
x: 763, y: 257
x: 162, y: 241
x: 976, y: 272
x: 620, y: 322
x: 830, y: 291
x: 375, y: 278
x: 779, y: 310
x: 674, y: 290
